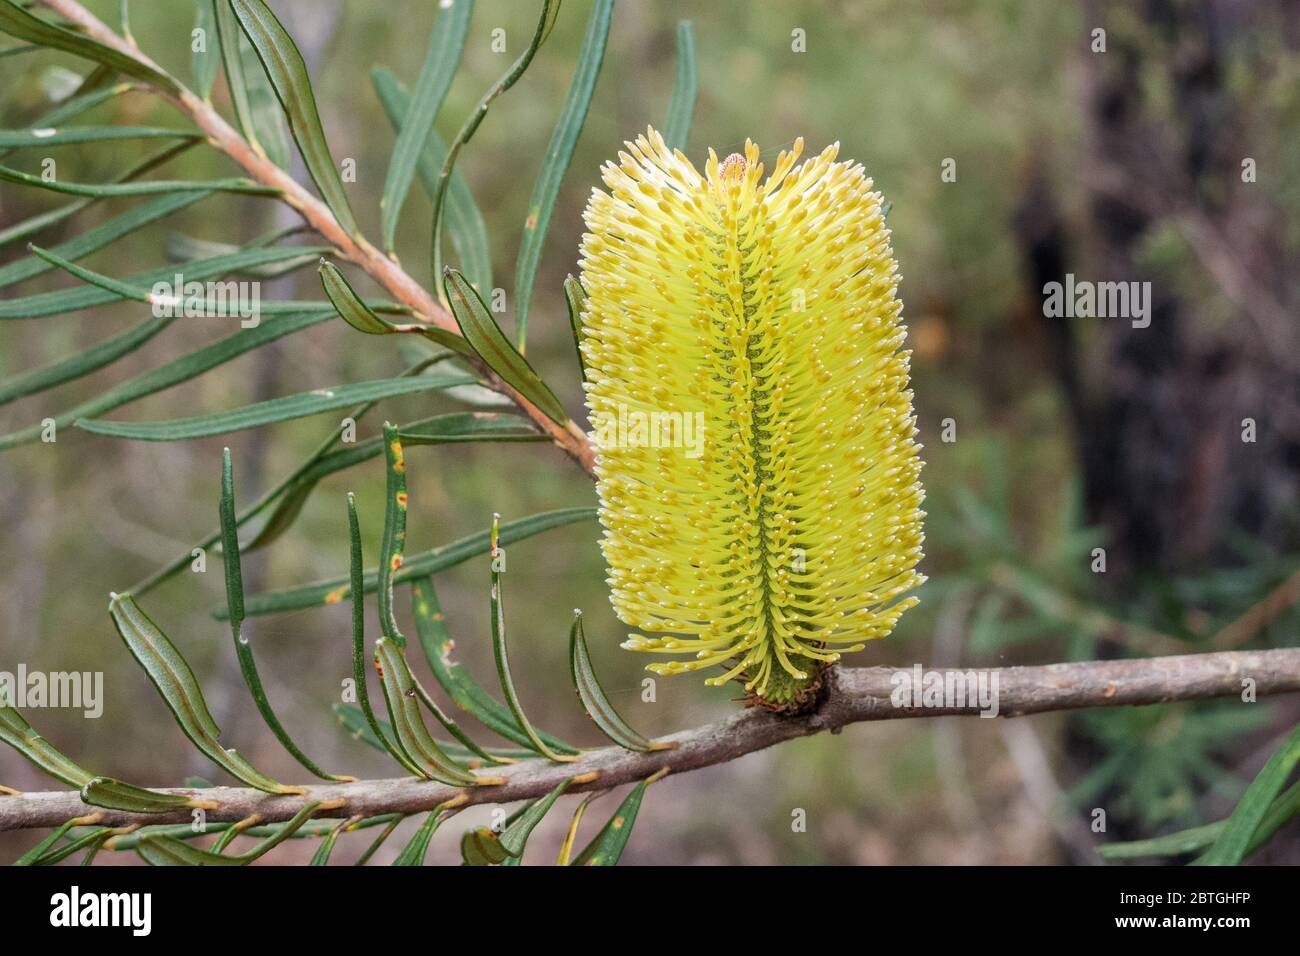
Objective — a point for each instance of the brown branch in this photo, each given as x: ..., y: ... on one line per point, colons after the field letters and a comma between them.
x: 356, y: 249
x: 852, y: 695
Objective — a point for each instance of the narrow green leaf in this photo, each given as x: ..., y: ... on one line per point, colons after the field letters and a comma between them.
x: 33, y: 855
x: 18, y: 23
x: 312, y: 829
x: 171, y: 675
x: 593, y: 697
x: 291, y: 494
x: 62, y: 136
x: 446, y: 43
x: 559, y: 153
x: 242, y: 69
x: 487, y: 339
x: 138, y: 287
x: 379, y: 841
x: 348, y: 304
x: 283, y: 489
x: 151, y: 187
x: 1281, y: 811
x: 393, y: 543
x: 82, y: 363
x: 159, y: 850
x: 95, y: 847
x: 93, y: 839
x: 266, y: 114
x: 575, y: 297
x: 41, y: 221
x: 389, y: 740
x: 290, y: 503
x: 453, y: 428
x: 100, y: 236
x: 116, y: 795
x: 461, y: 427
x: 274, y: 410
x: 205, y: 63
x: 1231, y: 845
x: 432, y: 705
x: 566, y: 847
x: 364, y: 319
x: 465, y: 692
x: 322, y: 855
x: 681, y: 108
x: 466, y: 743
x: 223, y: 303
x: 288, y: 74
x: 404, y: 713
x: 19, y: 734
x: 608, y: 845
x: 482, y: 847
x: 498, y: 614
x: 353, y: 721
x: 81, y: 102
x: 181, y: 248
x: 464, y: 219
x: 515, y: 837
x: 390, y: 559
x: 417, y: 848
x: 1175, y: 844
x: 545, y: 22
x: 235, y: 604
x: 172, y: 373
x: 419, y: 565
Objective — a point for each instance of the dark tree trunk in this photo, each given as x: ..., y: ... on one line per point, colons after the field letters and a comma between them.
x: 1158, y: 411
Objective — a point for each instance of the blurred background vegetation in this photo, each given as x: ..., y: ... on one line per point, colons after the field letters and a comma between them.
x: 1070, y: 435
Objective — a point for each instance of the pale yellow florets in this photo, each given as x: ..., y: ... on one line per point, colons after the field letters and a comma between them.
x: 758, y: 475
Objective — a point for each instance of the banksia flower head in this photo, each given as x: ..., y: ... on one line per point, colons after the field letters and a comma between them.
x: 757, y: 469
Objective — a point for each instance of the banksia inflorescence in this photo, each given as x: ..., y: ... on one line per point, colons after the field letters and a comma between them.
x: 758, y: 473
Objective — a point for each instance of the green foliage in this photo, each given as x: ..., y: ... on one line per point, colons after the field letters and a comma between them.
x: 273, y: 410
x: 235, y: 608
x: 489, y: 342
x: 681, y: 108
x: 446, y: 43
x: 607, y: 847
x: 1241, y: 829
x: 465, y: 692
x: 559, y: 153
x: 550, y: 10
x: 464, y: 219
x: 498, y: 625
x: 414, y: 566
x: 288, y: 74
x: 170, y: 673
x: 254, y: 102
x: 593, y: 696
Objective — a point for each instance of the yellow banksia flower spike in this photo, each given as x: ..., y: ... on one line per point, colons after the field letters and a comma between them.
x: 757, y: 467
